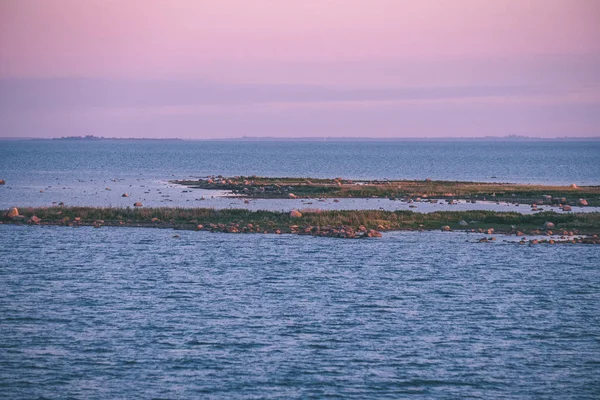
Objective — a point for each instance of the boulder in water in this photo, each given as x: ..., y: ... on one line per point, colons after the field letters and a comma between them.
x: 137, y: 204
x: 14, y: 212
x: 373, y: 233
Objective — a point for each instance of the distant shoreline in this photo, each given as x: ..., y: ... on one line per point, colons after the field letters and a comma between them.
x: 323, y: 139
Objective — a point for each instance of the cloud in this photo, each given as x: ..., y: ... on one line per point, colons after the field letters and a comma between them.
x: 80, y: 94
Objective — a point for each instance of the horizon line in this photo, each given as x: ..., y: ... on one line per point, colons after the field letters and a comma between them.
x: 307, y: 138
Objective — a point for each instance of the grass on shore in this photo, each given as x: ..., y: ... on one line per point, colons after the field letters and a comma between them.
x: 371, y: 219
x: 261, y: 187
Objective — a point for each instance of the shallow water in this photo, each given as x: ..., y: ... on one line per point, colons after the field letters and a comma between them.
x: 164, y: 194
x: 136, y: 313
x: 98, y: 173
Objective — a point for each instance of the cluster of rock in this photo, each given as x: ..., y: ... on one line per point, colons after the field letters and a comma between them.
x: 13, y: 215
x: 576, y: 240
x: 562, y: 202
x: 342, y: 231
x: 246, y: 187
x: 489, y: 231
x: 250, y: 187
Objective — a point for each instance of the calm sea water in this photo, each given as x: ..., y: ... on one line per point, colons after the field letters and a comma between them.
x: 97, y: 173
x: 42, y: 162
x: 135, y: 313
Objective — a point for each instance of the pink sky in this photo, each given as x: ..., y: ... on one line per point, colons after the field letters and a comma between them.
x: 229, y: 68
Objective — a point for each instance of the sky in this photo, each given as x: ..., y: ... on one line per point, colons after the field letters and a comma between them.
x: 201, y: 69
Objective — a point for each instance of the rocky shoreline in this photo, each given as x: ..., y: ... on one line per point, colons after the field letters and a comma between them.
x: 572, y: 228
x: 564, y: 197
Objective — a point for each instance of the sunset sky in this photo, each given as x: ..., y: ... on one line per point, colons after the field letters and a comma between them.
x: 299, y: 68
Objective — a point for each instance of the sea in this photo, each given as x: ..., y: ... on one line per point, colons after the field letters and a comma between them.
x: 153, y: 313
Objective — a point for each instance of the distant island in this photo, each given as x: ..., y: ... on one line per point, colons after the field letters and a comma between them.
x: 92, y: 137
x: 509, y: 138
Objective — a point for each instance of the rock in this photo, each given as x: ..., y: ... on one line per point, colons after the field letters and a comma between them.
x: 34, y: 220
x: 125, y: 195
x: 155, y: 219
x: 295, y: 214
x: 566, y: 208
x: 446, y: 228
x: 374, y: 233
x: 292, y: 196
x: 12, y: 213
x: 462, y: 222
x: 549, y: 225
x: 137, y: 204
x: 2, y: 182
x: 582, y: 202
x: 200, y: 227
x: 490, y: 231
x: 573, y: 186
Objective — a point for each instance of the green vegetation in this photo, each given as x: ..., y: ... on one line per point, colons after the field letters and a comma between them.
x: 241, y: 220
x: 260, y: 187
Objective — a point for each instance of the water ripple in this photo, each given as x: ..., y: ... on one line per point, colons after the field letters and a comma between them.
x: 133, y: 313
